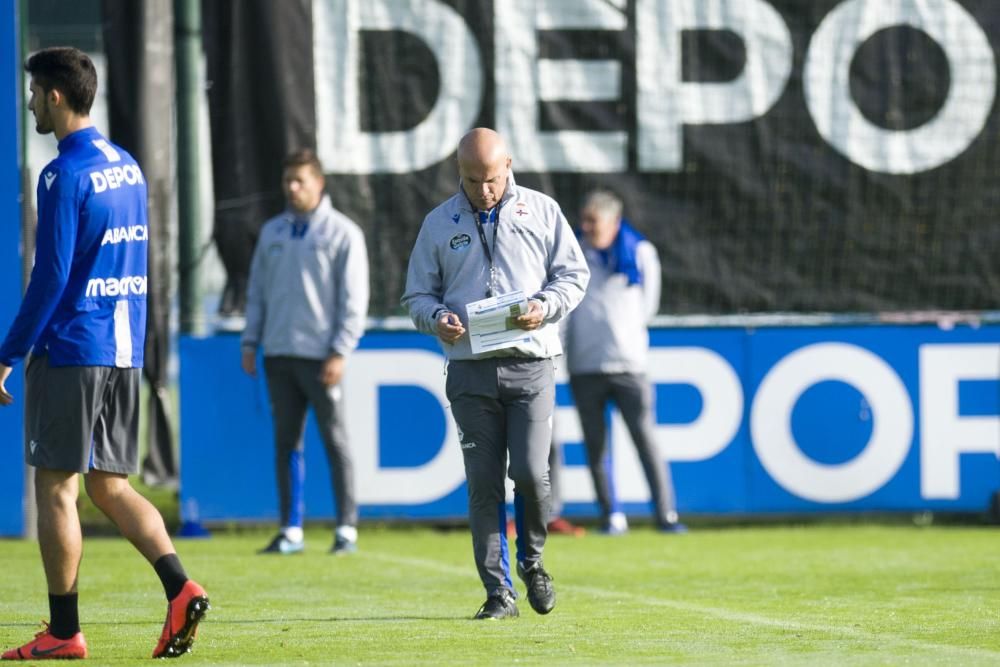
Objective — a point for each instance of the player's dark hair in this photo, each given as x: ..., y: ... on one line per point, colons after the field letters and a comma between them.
x: 68, y: 70
x: 303, y: 157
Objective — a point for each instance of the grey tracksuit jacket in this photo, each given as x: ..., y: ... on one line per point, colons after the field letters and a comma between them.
x: 607, y: 333
x: 308, y: 297
x: 535, y: 252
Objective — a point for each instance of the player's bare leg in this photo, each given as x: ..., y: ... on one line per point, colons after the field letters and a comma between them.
x: 143, y: 526
x: 137, y: 519
x: 59, y: 536
x: 60, y: 541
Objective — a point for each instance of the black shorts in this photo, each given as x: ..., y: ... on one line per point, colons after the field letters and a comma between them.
x: 81, y: 418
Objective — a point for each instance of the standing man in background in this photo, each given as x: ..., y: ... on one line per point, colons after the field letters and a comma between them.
x: 307, y: 302
x: 607, y: 345
x: 84, y: 320
x: 493, y: 238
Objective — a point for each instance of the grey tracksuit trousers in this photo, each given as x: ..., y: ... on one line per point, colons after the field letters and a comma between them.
x: 293, y: 385
x: 503, y: 408
x: 631, y: 393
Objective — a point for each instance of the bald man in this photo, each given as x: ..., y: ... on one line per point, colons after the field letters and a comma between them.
x: 492, y: 238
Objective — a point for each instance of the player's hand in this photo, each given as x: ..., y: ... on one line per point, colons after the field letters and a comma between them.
x: 332, y: 370
x: 5, y: 396
x: 249, y: 361
x: 532, y: 319
x: 449, y: 328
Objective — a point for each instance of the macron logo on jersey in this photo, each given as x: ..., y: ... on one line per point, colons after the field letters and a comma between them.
x: 123, y: 286
x: 116, y: 235
x: 50, y: 178
x: 113, y: 178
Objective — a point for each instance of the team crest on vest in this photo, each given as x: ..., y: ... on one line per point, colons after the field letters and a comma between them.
x: 459, y: 241
x: 521, y: 210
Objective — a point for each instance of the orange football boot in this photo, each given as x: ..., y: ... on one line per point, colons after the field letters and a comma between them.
x: 184, y: 613
x: 561, y: 526
x: 46, y: 647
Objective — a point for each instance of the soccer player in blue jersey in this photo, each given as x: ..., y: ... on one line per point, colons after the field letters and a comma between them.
x: 84, y: 320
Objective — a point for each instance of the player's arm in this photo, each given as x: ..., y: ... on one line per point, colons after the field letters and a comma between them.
x: 351, y: 283
x: 422, y: 296
x: 58, y: 220
x: 256, y: 309
x: 351, y: 311
x: 649, y: 266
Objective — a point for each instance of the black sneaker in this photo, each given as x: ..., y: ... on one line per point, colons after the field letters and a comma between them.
x: 284, y: 546
x: 541, y: 595
x: 498, y: 605
x: 343, y: 546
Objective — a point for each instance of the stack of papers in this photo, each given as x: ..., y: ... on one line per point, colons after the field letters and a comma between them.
x: 491, y: 322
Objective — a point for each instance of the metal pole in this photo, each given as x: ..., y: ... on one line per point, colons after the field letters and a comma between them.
x: 187, y: 21
x: 28, y: 243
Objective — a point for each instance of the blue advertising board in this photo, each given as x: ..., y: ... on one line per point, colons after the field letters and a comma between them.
x: 11, y: 418
x: 769, y: 420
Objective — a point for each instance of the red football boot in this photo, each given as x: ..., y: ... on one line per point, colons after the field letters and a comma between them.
x: 184, y: 613
x: 561, y: 526
x: 46, y: 647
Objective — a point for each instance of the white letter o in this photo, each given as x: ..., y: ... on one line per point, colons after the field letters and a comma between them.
x: 771, y: 423
x: 827, y: 84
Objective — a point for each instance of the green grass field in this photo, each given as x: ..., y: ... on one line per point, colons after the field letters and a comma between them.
x: 764, y: 595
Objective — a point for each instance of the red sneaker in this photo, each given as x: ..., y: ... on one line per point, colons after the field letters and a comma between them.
x: 561, y: 526
x: 46, y: 647
x: 184, y: 613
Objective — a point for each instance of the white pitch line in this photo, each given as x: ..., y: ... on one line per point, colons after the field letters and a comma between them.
x: 728, y: 614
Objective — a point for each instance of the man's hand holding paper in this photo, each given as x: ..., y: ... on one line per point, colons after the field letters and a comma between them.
x: 499, y: 322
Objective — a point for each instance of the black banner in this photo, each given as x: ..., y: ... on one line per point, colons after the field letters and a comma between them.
x: 261, y: 107
x: 831, y: 155
x: 138, y: 41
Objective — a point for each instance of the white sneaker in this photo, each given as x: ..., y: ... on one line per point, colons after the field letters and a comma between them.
x: 617, y: 524
x: 345, y: 540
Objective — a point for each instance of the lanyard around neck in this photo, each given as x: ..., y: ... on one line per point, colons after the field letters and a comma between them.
x: 481, y: 218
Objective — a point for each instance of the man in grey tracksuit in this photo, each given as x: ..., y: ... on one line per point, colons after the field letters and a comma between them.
x: 607, y: 343
x: 307, y: 301
x: 492, y: 238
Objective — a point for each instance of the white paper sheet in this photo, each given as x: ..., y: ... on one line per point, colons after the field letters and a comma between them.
x: 491, y: 325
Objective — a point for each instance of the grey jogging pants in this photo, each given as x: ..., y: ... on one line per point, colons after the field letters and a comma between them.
x: 503, y: 409
x: 631, y: 393
x: 293, y: 385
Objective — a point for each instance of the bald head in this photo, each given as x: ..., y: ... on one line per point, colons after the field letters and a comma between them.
x: 481, y: 146
x: 483, y: 164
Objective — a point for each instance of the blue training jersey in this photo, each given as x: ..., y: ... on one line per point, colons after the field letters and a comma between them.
x: 86, y: 301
